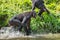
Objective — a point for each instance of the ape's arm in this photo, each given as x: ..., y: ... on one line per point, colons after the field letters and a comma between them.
x: 25, y: 19
x: 33, y: 4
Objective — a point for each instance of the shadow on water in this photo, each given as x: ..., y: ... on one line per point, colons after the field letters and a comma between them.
x: 7, y: 34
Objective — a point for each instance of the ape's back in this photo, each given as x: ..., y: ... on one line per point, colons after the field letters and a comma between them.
x: 21, y: 16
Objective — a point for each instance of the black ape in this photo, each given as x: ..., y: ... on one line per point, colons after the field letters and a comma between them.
x: 39, y: 4
x: 23, y: 20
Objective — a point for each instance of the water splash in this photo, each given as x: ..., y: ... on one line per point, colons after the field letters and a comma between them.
x: 8, y: 32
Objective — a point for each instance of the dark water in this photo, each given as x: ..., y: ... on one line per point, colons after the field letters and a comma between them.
x: 6, y: 33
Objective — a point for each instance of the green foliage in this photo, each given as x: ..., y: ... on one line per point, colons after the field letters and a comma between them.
x: 3, y: 19
x: 48, y: 23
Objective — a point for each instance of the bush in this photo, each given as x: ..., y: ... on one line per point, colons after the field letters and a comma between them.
x: 49, y: 23
x: 3, y: 19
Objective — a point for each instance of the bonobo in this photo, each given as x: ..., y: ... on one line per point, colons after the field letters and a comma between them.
x: 23, y: 21
x: 39, y: 4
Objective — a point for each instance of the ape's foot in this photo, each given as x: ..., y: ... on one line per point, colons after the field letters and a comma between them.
x: 28, y: 33
x: 20, y: 29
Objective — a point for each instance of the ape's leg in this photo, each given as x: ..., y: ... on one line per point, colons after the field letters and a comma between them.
x: 27, y: 30
x: 45, y: 9
x: 42, y: 9
x: 13, y: 28
x: 20, y: 28
x: 40, y: 12
x: 15, y: 23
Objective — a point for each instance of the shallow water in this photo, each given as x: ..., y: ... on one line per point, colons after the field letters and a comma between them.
x: 7, y: 33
